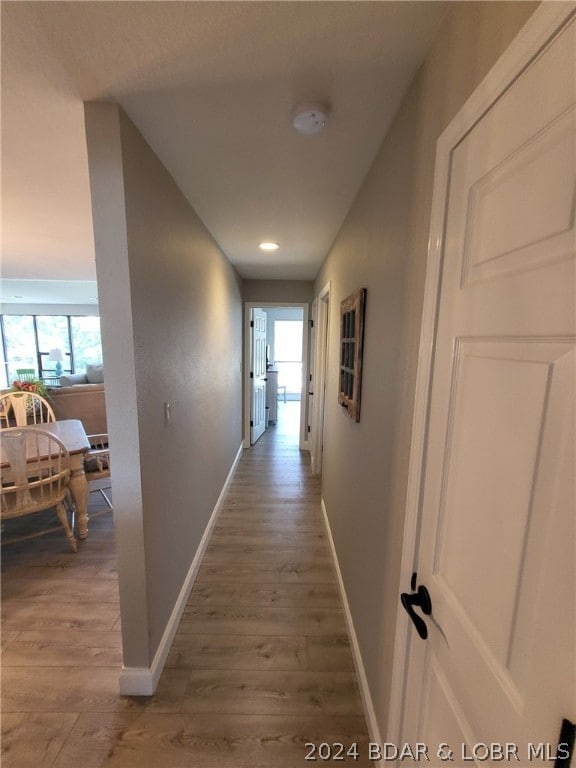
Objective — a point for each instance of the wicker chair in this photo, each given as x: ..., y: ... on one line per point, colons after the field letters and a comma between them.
x: 35, y: 476
x: 97, y: 464
x: 22, y: 408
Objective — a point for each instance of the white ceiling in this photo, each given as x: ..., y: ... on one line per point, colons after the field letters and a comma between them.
x: 212, y: 87
x: 26, y: 292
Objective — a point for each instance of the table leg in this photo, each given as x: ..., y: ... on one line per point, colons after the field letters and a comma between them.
x: 79, y: 492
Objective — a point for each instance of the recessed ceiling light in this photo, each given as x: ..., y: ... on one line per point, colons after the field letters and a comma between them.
x: 267, y: 246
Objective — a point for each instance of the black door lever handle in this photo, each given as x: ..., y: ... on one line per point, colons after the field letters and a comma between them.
x: 420, y: 599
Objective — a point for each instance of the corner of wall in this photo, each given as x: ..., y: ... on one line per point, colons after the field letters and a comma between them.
x: 142, y: 681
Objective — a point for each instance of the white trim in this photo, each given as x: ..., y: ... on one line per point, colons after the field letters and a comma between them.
x: 246, y: 377
x: 142, y: 681
x: 311, y: 383
x: 136, y: 681
x: 542, y: 25
x: 369, y: 712
x: 320, y: 365
x: 248, y: 306
x: 303, y: 442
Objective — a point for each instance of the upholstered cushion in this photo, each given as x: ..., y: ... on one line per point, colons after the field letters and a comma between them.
x: 82, y: 401
x: 98, y: 463
x: 69, y: 379
x: 95, y: 374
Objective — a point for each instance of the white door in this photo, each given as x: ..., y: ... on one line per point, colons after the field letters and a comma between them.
x: 311, y: 384
x: 258, y: 374
x: 497, y: 543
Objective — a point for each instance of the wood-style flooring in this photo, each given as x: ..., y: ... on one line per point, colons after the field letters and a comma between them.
x: 260, y: 665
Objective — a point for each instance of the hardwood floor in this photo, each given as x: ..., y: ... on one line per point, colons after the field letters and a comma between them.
x: 260, y: 664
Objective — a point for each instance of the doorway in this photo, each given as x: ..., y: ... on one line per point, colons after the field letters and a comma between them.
x: 285, y: 327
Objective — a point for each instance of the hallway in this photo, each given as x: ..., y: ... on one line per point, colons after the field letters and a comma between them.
x: 260, y: 664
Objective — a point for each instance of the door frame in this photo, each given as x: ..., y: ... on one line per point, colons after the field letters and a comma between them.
x: 319, y: 367
x: 545, y: 22
x: 248, y: 307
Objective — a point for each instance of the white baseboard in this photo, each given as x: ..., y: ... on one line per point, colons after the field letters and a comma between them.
x: 373, y: 729
x: 142, y: 681
x: 137, y: 681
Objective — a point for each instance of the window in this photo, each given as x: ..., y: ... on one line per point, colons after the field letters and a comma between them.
x: 20, y: 345
x: 28, y: 339
x: 288, y: 354
x: 86, y: 341
x: 351, y: 343
x: 53, y: 333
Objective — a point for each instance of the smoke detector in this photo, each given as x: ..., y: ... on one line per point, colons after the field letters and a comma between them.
x: 310, y: 118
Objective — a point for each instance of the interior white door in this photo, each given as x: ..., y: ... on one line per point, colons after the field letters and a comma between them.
x: 311, y: 384
x: 497, y: 540
x: 258, y: 374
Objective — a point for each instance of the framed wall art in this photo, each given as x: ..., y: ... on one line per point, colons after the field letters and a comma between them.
x: 352, y: 310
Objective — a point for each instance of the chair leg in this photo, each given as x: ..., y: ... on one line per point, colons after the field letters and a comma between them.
x: 105, y: 496
x: 70, y: 508
x: 63, y: 517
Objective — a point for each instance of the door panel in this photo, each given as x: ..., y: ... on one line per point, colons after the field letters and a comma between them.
x: 448, y: 724
x: 497, y: 528
x: 486, y: 504
x: 258, y: 400
x: 506, y: 230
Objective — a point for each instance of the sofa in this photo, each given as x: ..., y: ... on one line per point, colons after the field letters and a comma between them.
x: 81, y: 401
x: 81, y: 396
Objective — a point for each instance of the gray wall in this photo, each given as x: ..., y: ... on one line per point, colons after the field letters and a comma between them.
x: 278, y: 290
x: 383, y: 247
x: 171, y: 318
